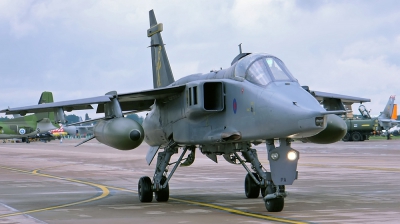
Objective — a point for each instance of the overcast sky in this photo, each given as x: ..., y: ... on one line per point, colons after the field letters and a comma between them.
x: 79, y: 49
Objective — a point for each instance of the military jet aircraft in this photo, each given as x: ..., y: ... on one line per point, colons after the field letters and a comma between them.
x: 387, y: 118
x: 256, y: 100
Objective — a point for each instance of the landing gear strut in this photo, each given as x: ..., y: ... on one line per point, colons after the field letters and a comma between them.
x: 283, y: 165
x: 160, y: 185
x: 256, y: 179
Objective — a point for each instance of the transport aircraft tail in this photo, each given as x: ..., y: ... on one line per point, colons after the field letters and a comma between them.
x: 46, y: 97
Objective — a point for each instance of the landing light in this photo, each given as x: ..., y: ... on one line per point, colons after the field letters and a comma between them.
x: 292, y: 155
x: 274, y: 156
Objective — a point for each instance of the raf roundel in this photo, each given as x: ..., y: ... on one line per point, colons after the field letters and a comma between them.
x: 234, y: 106
x: 21, y: 131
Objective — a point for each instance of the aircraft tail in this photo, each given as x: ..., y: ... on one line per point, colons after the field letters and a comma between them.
x: 390, y: 109
x: 162, y: 73
x: 394, y: 113
x: 46, y: 97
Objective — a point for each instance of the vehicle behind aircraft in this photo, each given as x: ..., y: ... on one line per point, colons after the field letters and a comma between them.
x: 361, y: 129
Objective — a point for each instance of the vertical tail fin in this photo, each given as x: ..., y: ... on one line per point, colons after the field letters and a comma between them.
x: 46, y: 97
x: 162, y: 73
x: 394, y: 113
x: 388, y: 111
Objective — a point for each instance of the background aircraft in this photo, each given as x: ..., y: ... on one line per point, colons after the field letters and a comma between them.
x: 255, y: 100
x: 27, y: 126
x: 360, y: 129
x: 387, y: 118
x: 77, y: 129
x: 40, y: 125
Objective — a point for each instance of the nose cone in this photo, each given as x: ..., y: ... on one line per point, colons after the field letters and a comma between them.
x: 335, y: 130
x: 290, y: 111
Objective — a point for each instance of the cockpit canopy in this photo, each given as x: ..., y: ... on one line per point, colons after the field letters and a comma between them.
x: 261, y: 69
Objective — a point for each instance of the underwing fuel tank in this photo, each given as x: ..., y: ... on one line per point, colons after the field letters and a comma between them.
x: 120, y: 133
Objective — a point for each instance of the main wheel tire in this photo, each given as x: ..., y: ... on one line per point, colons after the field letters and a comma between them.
x: 163, y: 194
x: 276, y: 204
x: 356, y: 136
x: 346, y: 137
x: 251, y: 188
x: 144, y: 189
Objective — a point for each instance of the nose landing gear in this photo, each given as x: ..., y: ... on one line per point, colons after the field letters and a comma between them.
x: 283, y: 165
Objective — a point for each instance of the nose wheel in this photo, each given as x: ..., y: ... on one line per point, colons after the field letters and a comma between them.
x: 275, y: 204
x: 162, y: 195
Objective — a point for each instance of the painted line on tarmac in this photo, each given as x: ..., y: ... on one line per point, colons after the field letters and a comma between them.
x: 239, y: 212
x: 230, y: 210
x: 104, y: 192
x: 353, y: 167
x: 25, y: 215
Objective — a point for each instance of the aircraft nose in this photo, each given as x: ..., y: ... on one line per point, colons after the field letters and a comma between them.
x: 295, y: 113
x: 316, y: 121
x: 335, y: 130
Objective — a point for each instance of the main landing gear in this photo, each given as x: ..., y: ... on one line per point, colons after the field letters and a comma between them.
x: 283, y: 165
x: 160, y: 185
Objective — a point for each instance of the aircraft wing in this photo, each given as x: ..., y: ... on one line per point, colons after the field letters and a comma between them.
x: 81, y: 104
x: 345, y: 99
x: 140, y: 101
x: 333, y: 101
x: 129, y: 101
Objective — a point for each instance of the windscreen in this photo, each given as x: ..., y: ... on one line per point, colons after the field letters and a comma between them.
x: 258, y: 73
x: 262, y: 69
x: 266, y: 70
